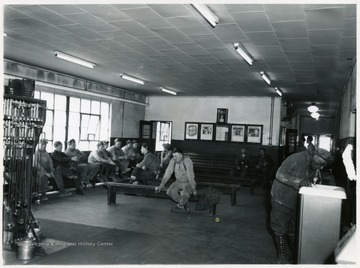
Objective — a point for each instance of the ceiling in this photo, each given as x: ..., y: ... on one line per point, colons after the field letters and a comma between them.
x: 307, y: 50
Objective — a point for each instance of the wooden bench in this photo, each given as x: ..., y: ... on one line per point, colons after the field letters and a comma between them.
x: 216, y: 168
x: 145, y: 190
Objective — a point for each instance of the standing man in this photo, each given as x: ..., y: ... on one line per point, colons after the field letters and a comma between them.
x: 62, y: 168
x: 165, y: 158
x: 87, y: 171
x: 296, y: 171
x: 264, y: 164
x: 311, y: 146
x: 147, y: 169
x: 185, y: 183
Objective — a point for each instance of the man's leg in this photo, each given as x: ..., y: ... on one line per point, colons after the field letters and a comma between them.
x: 174, y: 191
x: 59, y: 182
x: 77, y: 181
x: 82, y: 169
x: 280, y: 218
x: 92, y: 170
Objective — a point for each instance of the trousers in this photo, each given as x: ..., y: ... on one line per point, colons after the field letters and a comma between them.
x: 143, y: 175
x: 88, y: 171
x: 180, y: 192
x: 61, y: 171
x: 283, y: 219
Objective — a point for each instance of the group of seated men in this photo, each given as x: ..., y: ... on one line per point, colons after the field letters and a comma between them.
x: 108, y: 164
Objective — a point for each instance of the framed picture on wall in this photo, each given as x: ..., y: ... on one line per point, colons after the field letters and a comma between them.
x: 238, y: 133
x: 191, y: 131
x: 206, y: 132
x: 222, y: 116
x: 254, y: 133
x: 222, y: 133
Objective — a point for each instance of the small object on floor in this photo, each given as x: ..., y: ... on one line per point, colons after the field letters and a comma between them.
x: 79, y: 191
x: 135, y: 183
x: 44, y: 197
x: 217, y: 219
x: 64, y: 193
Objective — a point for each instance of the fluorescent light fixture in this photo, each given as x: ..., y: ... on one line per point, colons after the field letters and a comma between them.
x: 74, y: 59
x: 267, y: 80
x: 168, y: 91
x: 242, y: 53
x: 278, y: 91
x: 315, y: 115
x: 132, y: 79
x: 207, y: 14
x: 313, y: 108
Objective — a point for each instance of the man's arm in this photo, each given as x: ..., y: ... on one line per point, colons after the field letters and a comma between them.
x: 60, y: 157
x: 169, y: 171
x: 190, y: 173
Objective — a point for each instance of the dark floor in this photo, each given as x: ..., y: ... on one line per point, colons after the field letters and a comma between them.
x: 140, y: 230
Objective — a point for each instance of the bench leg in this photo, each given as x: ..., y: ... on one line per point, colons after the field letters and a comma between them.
x: 212, y: 210
x: 111, y: 196
x: 233, y: 196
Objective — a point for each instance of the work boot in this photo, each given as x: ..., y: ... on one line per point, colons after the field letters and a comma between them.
x: 187, y: 208
x: 177, y: 208
x: 283, y: 257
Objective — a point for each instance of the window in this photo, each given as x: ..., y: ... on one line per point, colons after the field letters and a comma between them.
x: 86, y: 121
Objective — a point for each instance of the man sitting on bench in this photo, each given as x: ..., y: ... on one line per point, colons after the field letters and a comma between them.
x: 147, y: 169
x: 185, y: 183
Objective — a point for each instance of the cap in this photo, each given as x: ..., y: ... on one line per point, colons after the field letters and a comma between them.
x: 166, y: 146
x: 57, y: 143
x: 178, y: 150
x: 117, y: 140
x: 43, y: 141
x: 72, y: 141
x: 135, y: 141
x: 324, y: 154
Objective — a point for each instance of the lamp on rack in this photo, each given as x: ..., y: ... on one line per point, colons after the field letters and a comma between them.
x: 313, y: 108
x: 243, y: 54
x: 73, y: 59
x: 168, y: 91
x: 207, y: 14
x: 263, y: 75
x: 132, y: 79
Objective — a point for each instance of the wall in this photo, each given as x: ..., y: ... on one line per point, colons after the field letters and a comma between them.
x: 243, y: 110
x: 325, y: 125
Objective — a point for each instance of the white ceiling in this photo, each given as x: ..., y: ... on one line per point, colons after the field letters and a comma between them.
x: 307, y: 50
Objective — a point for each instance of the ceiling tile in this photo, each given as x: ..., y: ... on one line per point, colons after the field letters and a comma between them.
x: 64, y: 9
x: 12, y: 13
x: 82, y: 32
x: 324, y: 37
x: 172, y: 35
x: 324, y: 19
x: 349, y: 27
x: 239, y: 8
x: 293, y: 29
x: 229, y: 33
x: 91, y: 22
x: 133, y: 28
x: 350, y: 11
x: 271, y: 52
x: 105, y: 12
x: 121, y: 37
x: 147, y: 17
x: 285, y: 12
x: 128, y: 6
x: 35, y: 24
x: 299, y: 56
x: 295, y: 44
x: 252, y: 22
x: 222, y: 13
x: 172, y: 10
x: 189, y: 25
x: 207, y: 41
x: 262, y: 38
x: 323, y: 51
x: 156, y: 42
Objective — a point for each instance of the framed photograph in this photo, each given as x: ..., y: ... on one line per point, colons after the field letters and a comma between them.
x: 254, y: 133
x: 206, y: 132
x: 191, y: 131
x: 222, y: 133
x: 238, y: 133
x: 222, y: 116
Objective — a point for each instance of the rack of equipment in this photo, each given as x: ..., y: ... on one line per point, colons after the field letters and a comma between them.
x: 24, y: 118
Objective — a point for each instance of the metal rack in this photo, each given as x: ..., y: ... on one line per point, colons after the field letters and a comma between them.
x: 24, y: 118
